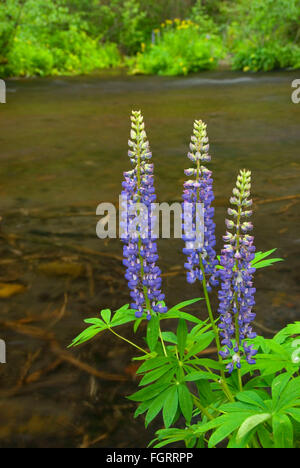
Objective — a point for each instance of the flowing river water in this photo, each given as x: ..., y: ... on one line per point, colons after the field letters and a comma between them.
x: 63, y: 149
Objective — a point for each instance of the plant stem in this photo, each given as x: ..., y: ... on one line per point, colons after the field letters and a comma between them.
x: 139, y: 199
x: 128, y: 341
x: 237, y: 327
x: 209, y: 309
x: 148, y: 305
x: 202, y: 409
x: 162, y: 342
x: 224, y: 385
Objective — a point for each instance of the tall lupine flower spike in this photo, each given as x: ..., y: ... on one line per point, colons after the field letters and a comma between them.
x: 237, y: 293
x: 140, y: 249
x: 199, y: 190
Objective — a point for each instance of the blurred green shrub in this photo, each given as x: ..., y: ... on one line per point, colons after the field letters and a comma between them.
x: 263, y: 34
x: 52, y: 37
x: 180, y: 47
x: 47, y: 40
x: 274, y: 55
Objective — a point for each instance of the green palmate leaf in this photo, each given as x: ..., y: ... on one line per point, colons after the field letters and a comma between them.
x: 96, y: 321
x: 122, y: 321
x: 251, y: 423
x: 123, y: 315
x: 181, y: 305
x: 238, y: 406
x: 206, y: 394
x: 155, y: 374
x: 252, y: 398
x: 208, y: 426
x: 200, y: 375
x: 121, y: 312
x: 168, y: 376
x: 155, y: 407
x: 167, y: 442
x: 198, y: 330
x: 290, y: 394
x: 176, y: 312
x: 277, y: 348
x: 200, y: 442
x: 270, y: 364
x: 152, y: 363
x: 287, y: 332
x: 169, y: 337
x: 143, y: 407
x: 86, y: 335
x: 207, y: 363
x: 295, y: 413
x: 258, y: 382
x: 229, y: 424
x: 267, y: 263
x: 182, y: 333
x: 202, y: 343
x: 153, y: 332
x: 106, y: 315
x: 185, y: 402
x: 233, y: 443
x: 182, y: 315
x: 149, y: 392
x: 265, y: 437
x: 278, y: 386
x: 137, y: 324
x: 283, y: 431
x: 259, y: 261
x: 170, y: 406
x: 173, y: 435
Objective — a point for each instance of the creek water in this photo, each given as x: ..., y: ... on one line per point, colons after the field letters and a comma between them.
x: 63, y: 150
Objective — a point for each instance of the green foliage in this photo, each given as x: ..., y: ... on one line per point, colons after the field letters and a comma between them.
x: 120, y: 317
x: 126, y: 315
x: 199, y: 15
x: 175, y: 379
x: 167, y: 56
x: 169, y: 374
x: 273, y: 55
x: 254, y: 420
x: 262, y: 261
x: 266, y: 414
x: 47, y: 40
x: 264, y: 35
x: 55, y: 37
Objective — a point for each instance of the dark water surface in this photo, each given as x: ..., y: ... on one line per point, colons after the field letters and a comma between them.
x: 63, y: 150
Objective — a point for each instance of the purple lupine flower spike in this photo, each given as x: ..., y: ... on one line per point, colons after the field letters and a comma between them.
x: 199, y: 190
x: 140, y: 249
x: 237, y: 292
